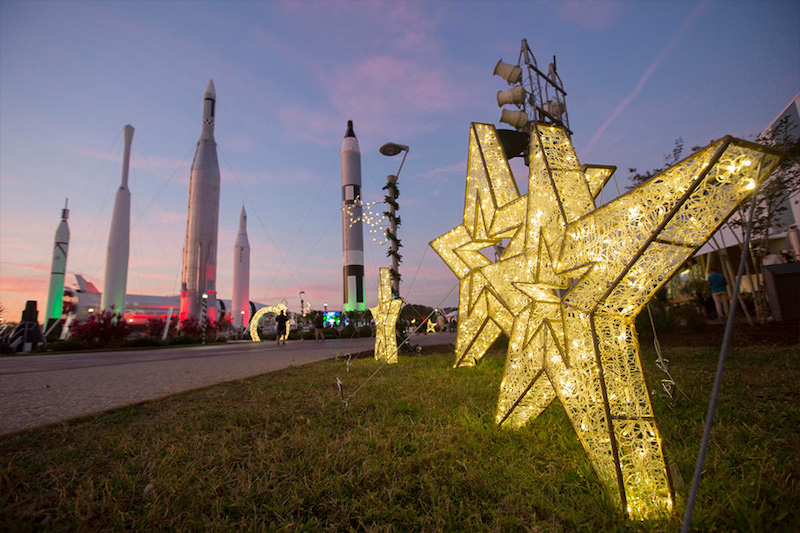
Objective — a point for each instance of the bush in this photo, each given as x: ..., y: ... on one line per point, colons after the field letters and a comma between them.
x: 101, y: 330
x: 330, y: 333
x: 143, y: 342
x: 183, y: 339
x: 364, y: 331
x: 347, y: 332
x: 68, y: 345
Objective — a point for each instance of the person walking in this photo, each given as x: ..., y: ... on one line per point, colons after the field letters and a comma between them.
x: 281, y: 320
x: 319, y: 335
x: 719, y: 292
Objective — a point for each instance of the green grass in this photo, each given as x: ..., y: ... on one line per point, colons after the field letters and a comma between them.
x: 415, y: 450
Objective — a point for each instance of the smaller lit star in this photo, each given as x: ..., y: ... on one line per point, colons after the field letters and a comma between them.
x: 385, y: 315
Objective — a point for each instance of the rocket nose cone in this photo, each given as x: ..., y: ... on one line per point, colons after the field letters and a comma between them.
x: 349, y: 132
x: 210, y: 92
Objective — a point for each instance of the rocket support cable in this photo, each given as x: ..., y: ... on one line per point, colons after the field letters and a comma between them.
x: 345, y: 401
x: 698, y: 470
x: 255, y: 211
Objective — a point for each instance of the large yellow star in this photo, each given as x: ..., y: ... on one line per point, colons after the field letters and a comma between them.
x: 574, y: 277
x: 385, y: 316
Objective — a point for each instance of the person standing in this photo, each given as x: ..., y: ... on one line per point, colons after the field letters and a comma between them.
x: 281, y: 320
x: 719, y: 292
x: 318, y: 323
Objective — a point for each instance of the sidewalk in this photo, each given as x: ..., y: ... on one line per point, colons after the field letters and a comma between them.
x: 44, y: 389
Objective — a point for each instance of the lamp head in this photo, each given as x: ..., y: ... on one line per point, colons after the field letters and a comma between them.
x: 393, y: 149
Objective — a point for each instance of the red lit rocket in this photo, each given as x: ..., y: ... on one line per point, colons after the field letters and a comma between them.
x: 115, y: 283
x: 199, y: 275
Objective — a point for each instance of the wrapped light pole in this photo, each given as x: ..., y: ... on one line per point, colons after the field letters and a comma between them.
x: 392, y: 193
x: 205, y: 318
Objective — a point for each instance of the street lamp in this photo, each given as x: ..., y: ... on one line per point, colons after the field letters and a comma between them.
x: 391, y: 149
x: 242, y: 328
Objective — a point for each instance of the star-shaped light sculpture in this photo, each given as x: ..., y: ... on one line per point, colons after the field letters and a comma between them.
x: 430, y: 327
x: 571, y: 281
x: 385, y: 315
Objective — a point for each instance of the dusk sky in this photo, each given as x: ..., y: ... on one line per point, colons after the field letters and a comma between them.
x: 289, y: 75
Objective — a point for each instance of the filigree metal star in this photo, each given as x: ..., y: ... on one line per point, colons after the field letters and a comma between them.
x: 569, y: 285
x: 385, y: 315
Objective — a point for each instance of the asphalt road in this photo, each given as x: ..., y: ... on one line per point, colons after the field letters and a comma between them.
x: 38, y: 390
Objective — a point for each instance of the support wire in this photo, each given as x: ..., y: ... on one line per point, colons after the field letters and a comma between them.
x: 687, y: 517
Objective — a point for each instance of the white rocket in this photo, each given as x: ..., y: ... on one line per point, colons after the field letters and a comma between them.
x: 240, y: 298
x: 115, y: 283
x: 352, y: 232
x: 200, y: 251
x: 55, y: 294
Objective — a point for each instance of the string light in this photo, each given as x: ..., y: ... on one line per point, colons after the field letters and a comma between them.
x: 375, y: 220
x: 567, y: 288
x: 385, y: 315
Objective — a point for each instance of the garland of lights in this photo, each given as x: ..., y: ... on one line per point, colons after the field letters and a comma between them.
x: 568, y: 286
x: 393, y: 193
x: 376, y: 222
x: 385, y: 314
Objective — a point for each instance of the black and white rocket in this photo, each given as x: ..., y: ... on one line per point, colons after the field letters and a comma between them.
x: 240, y: 296
x: 352, y: 232
x: 199, y: 274
x: 115, y: 282
x: 55, y: 294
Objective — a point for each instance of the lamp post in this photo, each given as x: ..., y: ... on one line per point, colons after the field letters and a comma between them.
x: 203, y: 322
x: 392, y: 193
x: 241, y: 329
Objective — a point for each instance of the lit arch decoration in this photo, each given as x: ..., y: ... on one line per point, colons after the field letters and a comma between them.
x: 571, y: 281
x: 260, y: 313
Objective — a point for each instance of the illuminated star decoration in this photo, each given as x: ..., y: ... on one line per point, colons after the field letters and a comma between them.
x: 430, y: 327
x: 257, y: 317
x: 385, y: 315
x: 571, y: 281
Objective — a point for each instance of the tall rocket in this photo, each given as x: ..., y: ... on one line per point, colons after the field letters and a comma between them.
x: 55, y: 294
x: 352, y: 233
x: 115, y: 283
x: 200, y: 251
x: 240, y: 298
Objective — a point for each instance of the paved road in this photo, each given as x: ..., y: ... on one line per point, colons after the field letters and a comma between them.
x: 43, y: 389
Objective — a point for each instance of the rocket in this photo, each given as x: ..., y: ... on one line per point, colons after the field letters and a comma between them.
x: 352, y: 232
x: 55, y: 294
x: 199, y: 274
x: 240, y: 298
x: 115, y: 282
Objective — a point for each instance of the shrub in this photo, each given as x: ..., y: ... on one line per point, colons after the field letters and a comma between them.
x: 103, y: 329
x: 67, y: 345
x: 347, y: 332
x: 143, y: 342
x: 184, y: 339
x: 330, y: 333
x: 364, y: 331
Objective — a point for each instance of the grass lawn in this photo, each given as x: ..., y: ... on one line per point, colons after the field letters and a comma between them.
x: 416, y: 450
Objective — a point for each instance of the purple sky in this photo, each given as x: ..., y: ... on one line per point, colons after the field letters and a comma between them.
x: 288, y: 77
